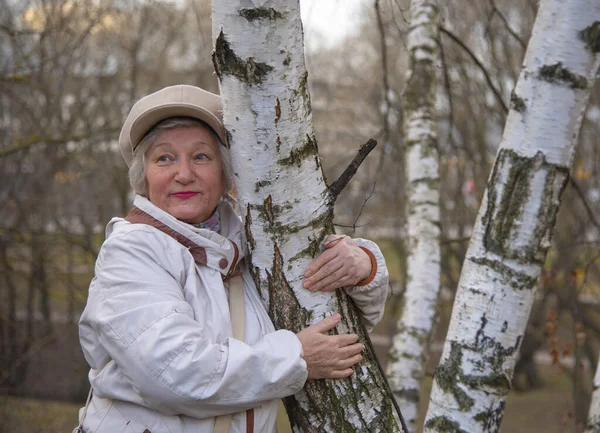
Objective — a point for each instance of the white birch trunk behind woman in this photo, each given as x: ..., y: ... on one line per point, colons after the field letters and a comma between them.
x: 517, y: 214
x: 288, y: 208
x: 593, y: 421
x: 410, y: 347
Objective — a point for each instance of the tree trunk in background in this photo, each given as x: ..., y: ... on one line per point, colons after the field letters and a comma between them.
x: 410, y: 348
x: 593, y: 421
x: 517, y: 214
x: 287, y: 206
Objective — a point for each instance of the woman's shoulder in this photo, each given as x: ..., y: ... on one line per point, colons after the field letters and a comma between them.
x: 132, y: 238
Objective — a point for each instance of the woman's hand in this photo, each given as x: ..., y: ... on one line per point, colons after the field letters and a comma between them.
x: 341, y: 264
x: 329, y: 356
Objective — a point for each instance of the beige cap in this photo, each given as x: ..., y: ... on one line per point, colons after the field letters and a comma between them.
x: 173, y: 101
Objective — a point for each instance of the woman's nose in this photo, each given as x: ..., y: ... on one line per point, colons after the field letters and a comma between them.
x: 184, y: 172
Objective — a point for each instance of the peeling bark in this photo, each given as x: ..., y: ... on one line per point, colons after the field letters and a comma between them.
x: 259, y: 60
x: 410, y: 345
x: 515, y: 221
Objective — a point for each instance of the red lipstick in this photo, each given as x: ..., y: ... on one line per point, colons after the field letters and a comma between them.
x: 184, y: 194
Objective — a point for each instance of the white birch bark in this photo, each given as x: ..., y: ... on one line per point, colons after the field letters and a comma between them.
x: 593, y: 421
x: 410, y: 346
x: 518, y: 211
x: 288, y: 209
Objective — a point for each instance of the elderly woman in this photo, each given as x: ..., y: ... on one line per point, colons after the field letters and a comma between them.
x: 157, y: 328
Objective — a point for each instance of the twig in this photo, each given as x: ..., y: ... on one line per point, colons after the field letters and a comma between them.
x: 455, y: 240
x: 337, y: 186
x: 27, y: 142
x: 384, y: 67
x: 450, y: 138
x: 354, y: 225
x: 581, y: 195
x: 477, y: 62
x: 506, y: 24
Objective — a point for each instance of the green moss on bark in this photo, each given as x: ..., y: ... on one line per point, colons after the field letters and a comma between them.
x: 444, y: 424
x: 447, y: 375
x: 296, y: 156
x: 591, y: 36
x: 226, y: 62
x: 508, y: 200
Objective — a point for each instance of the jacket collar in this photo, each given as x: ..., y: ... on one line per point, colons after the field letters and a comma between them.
x: 219, y: 252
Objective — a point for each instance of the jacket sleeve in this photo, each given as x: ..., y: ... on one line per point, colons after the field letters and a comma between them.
x: 145, y: 324
x: 370, y: 296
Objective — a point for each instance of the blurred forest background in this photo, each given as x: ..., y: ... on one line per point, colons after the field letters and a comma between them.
x: 69, y: 72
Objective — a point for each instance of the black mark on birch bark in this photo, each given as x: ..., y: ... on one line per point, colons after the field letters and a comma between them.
x: 509, y: 205
x: 558, y: 74
x: 277, y: 143
x: 268, y: 209
x: 248, y: 228
x: 517, y: 103
x: 253, y: 14
x: 226, y: 62
x: 261, y: 184
x: 277, y: 111
x: 591, y: 37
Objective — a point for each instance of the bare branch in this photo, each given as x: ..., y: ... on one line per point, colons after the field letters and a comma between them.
x: 33, y: 140
x: 336, y: 187
x: 384, y: 67
x: 587, y: 206
x: 477, y: 62
x: 496, y: 11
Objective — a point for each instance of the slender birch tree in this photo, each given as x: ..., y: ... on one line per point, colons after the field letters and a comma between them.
x: 286, y: 203
x: 593, y: 421
x: 514, y: 224
x: 410, y: 346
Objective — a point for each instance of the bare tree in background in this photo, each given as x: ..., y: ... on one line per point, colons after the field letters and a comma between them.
x: 410, y: 346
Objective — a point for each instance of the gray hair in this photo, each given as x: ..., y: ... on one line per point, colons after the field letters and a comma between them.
x: 137, y: 168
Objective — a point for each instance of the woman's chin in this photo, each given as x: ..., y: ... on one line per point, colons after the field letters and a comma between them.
x: 190, y: 215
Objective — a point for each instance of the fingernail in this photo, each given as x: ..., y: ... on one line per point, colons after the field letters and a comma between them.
x: 308, y: 273
x: 337, y: 316
x: 306, y: 283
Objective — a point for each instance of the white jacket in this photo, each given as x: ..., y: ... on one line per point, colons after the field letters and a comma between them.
x: 156, y: 332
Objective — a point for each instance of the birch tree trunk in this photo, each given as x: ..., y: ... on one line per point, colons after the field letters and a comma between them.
x: 410, y: 347
x: 517, y: 214
x: 593, y: 421
x: 288, y: 208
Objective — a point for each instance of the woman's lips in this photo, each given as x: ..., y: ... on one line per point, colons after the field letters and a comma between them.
x: 184, y: 194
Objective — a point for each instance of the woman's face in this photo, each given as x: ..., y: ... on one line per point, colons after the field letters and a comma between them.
x: 184, y: 173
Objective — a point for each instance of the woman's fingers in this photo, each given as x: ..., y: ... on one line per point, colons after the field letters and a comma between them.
x: 328, y: 280
x: 342, y: 264
x: 340, y: 374
x: 353, y: 350
x: 327, y: 324
x: 348, y: 362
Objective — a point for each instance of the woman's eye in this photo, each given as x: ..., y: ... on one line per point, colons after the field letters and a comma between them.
x: 201, y: 157
x: 163, y: 158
